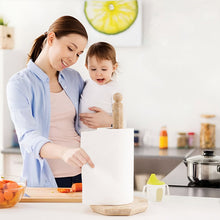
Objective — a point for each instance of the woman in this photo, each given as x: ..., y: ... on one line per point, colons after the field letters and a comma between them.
x: 43, y: 100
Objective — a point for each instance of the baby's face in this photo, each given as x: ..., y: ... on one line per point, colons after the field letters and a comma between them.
x: 100, y: 71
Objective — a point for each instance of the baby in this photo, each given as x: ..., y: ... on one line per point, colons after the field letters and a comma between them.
x: 102, y: 85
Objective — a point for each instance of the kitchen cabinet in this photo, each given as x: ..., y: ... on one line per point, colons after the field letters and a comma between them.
x: 12, y: 161
x: 13, y: 164
x: 11, y: 61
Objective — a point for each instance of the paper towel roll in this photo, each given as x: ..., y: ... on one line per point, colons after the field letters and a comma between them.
x: 110, y: 182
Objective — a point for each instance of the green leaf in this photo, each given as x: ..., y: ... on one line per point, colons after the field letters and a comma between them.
x: 2, y: 22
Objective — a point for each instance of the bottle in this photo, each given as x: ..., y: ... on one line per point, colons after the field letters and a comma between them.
x: 191, y: 139
x: 163, y: 138
x: 181, y: 140
x: 136, y: 138
x: 207, y: 132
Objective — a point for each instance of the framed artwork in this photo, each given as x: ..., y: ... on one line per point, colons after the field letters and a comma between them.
x: 118, y: 22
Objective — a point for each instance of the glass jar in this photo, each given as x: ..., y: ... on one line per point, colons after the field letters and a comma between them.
x: 191, y: 139
x: 207, y: 132
x: 181, y: 140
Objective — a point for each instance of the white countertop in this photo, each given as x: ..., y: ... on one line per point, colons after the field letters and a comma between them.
x: 172, y: 207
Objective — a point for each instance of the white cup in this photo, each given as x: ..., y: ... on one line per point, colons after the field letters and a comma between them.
x: 156, y: 193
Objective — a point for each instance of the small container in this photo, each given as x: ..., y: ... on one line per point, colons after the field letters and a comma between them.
x: 136, y: 138
x: 155, y: 190
x: 191, y: 139
x: 14, y: 193
x: 181, y: 140
x: 163, y: 138
x: 207, y: 132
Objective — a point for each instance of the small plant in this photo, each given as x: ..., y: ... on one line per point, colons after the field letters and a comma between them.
x: 2, y: 22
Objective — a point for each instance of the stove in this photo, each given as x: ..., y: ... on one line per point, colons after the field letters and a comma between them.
x: 180, y: 185
x: 204, y: 184
x: 178, y: 178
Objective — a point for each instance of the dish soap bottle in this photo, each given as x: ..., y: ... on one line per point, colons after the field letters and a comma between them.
x: 163, y: 138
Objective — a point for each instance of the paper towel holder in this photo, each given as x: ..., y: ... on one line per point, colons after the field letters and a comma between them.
x: 117, y: 111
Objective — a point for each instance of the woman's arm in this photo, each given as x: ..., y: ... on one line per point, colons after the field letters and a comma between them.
x: 98, y: 119
x: 31, y: 138
x: 74, y: 157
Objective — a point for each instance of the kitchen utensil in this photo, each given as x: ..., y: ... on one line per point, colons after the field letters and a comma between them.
x: 203, y: 168
x: 50, y: 195
x: 138, y: 205
x: 156, y: 189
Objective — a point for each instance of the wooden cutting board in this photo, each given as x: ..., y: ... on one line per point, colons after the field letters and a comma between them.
x: 137, y: 206
x: 50, y: 195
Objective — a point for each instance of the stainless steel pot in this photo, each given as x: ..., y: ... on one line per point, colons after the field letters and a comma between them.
x: 203, y: 168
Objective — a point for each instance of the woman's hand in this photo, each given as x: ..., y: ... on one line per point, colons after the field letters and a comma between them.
x: 72, y: 156
x: 76, y: 157
x: 98, y: 119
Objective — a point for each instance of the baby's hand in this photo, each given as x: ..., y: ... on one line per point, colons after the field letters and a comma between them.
x: 97, y: 119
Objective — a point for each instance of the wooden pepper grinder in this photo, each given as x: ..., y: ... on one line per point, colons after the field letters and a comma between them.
x: 117, y: 111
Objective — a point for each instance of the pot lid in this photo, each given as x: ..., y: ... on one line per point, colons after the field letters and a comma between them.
x: 207, y: 157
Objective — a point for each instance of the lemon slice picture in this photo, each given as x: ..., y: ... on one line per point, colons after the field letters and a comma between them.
x: 111, y: 17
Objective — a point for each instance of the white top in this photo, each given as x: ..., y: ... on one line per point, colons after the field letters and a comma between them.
x: 62, y: 132
x: 95, y: 95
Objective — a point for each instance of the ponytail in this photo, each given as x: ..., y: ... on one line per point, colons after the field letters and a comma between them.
x: 37, y: 47
x: 61, y: 27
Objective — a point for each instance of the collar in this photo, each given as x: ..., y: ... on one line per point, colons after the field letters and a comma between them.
x: 40, y: 73
x: 37, y: 71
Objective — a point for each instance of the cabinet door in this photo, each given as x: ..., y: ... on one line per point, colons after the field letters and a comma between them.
x: 13, y: 164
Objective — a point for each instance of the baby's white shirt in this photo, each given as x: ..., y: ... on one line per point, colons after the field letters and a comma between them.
x: 95, y: 95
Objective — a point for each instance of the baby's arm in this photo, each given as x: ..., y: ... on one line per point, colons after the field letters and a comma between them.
x: 98, y: 119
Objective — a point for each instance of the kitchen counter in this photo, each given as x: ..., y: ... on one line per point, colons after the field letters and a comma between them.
x: 149, y: 160
x: 143, y: 151
x: 155, y: 160
x: 172, y: 207
x: 11, y: 150
x: 138, y: 151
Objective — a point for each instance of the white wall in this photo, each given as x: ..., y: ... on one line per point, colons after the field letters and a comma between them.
x: 172, y: 79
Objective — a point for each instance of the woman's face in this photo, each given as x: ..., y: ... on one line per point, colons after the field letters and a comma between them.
x: 65, y: 51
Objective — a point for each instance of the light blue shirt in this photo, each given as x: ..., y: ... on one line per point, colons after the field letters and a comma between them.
x: 28, y: 94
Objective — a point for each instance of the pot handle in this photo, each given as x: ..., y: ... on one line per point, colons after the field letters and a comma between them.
x: 185, y: 162
x: 218, y: 168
